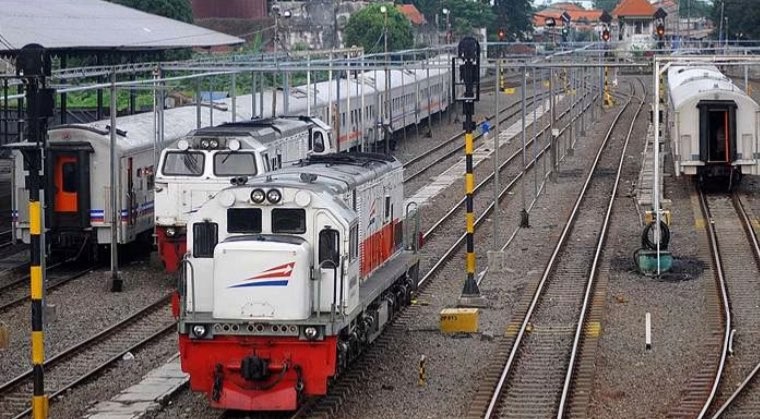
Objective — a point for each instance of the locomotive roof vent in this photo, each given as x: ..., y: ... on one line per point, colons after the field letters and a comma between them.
x: 308, y: 177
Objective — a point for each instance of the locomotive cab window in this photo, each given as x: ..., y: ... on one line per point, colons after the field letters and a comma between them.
x: 288, y: 220
x: 329, y: 242
x: 236, y: 163
x: 69, y: 177
x: 184, y: 163
x: 244, y: 220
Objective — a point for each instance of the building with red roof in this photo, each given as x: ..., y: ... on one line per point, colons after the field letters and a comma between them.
x: 411, y: 13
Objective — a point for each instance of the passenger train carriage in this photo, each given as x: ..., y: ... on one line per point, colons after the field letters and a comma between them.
x: 196, y: 167
x: 712, y: 124
x: 289, y: 276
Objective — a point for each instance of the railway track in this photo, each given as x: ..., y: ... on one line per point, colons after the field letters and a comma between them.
x: 344, y: 387
x: 722, y: 387
x: 513, y: 110
x: 532, y: 373
x: 15, y: 291
x: 86, y: 359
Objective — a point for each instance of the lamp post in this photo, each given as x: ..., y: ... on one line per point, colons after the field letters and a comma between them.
x: 384, y: 11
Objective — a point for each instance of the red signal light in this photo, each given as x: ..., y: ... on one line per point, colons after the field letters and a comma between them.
x: 502, y: 34
x: 606, y: 35
x: 660, y: 31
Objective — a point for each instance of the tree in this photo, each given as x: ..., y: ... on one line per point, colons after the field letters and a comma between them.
x: 515, y: 17
x: 607, y: 5
x: 365, y: 29
x: 173, y: 9
x: 740, y: 16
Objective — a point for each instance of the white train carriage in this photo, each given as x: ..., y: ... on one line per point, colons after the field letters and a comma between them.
x: 196, y: 167
x: 415, y: 95
x: 712, y: 124
x: 290, y: 276
x: 77, y: 189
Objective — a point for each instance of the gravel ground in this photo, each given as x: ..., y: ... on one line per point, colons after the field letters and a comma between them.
x: 124, y: 373
x: 83, y: 308
x: 456, y: 362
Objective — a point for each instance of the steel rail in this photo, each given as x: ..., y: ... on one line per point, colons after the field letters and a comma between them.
x: 721, y: 282
x: 21, y: 282
x: 78, y: 348
x: 595, y: 265
x: 449, y: 253
x: 747, y: 223
x: 548, y: 270
x: 458, y: 148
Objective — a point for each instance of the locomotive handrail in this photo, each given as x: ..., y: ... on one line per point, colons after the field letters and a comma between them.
x: 334, y: 267
x: 412, y: 207
x: 183, y: 289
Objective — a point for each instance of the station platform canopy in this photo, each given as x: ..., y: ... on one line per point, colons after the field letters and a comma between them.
x: 95, y: 25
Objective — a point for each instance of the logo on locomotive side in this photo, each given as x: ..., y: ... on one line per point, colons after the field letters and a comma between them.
x: 276, y: 277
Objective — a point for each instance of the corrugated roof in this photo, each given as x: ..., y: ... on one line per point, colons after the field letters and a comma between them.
x: 633, y: 8
x: 95, y: 24
x: 412, y: 14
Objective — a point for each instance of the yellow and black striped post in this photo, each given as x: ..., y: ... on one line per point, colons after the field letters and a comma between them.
x: 608, y: 102
x: 33, y: 64
x: 468, y: 77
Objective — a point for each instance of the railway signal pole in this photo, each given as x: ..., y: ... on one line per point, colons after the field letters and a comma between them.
x: 33, y: 66
x: 468, y: 76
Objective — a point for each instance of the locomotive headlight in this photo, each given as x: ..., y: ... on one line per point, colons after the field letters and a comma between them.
x: 258, y: 196
x: 233, y: 145
x: 214, y: 143
x: 199, y: 331
x: 205, y: 144
x: 311, y: 332
x: 170, y: 232
x: 274, y: 196
x: 183, y: 144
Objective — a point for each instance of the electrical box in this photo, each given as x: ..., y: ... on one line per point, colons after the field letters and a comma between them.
x: 459, y: 320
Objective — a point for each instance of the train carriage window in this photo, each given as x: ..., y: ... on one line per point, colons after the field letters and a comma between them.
x: 205, y: 238
x: 184, y: 163
x: 329, y: 242
x: 69, y: 175
x: 387, y: 207
x: 319, y: 142
x: 227, y: 163
x: 244, y: 220
x: 289, y: 220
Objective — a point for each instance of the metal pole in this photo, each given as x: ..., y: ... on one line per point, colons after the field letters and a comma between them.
x: 233, y: 93
x: 496, y: 162
x: 552, y: 138
x: 656, y: 185
x: 308, y: 85
x: 535, y: 133
x: 197, y: 103
x: 364, y: 113
x: 429, y: 101
x: 253, y: 94
x: 524, y: 220
x: 116, y: 283
x: 210, y: 102
x: 274, y: 74
x: 286, y: 94
x: 388, y: 123
x: 262, y: 80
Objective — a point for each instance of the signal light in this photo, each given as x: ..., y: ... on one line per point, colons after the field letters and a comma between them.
x: 502, y: 34
x: 606, y: 35
x: 661, y: 31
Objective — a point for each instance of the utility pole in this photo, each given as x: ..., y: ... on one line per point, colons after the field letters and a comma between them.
x: 116, y: 284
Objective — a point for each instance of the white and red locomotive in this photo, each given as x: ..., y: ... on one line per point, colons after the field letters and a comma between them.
x: 207, y: 160
x: 290, y: 276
